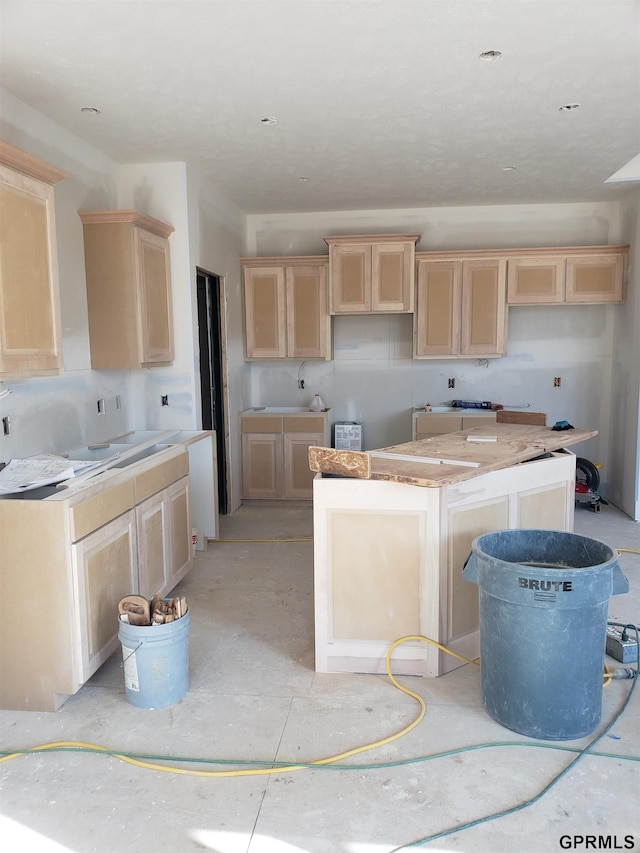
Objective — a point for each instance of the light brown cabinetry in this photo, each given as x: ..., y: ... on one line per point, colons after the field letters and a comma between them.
x: 128, y: 289
x: 461, y: 307
x: 372, y: 273
x: 275, y: 458
x: 286, y: 308
x: 98, y: 540
x: 567, y: 276
x: 30, y: 324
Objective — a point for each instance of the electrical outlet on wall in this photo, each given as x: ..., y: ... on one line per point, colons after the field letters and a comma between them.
x: 452, y: 383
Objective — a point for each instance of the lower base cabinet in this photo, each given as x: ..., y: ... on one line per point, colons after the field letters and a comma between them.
x: 126, y: 531
x: 388, y: 560
x: 275, y: 454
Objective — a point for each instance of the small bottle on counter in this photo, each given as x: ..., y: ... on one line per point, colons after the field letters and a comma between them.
x: 427, y: 407
x: 317, y: 405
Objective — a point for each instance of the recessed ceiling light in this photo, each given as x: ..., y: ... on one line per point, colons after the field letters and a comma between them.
x: 92, y: 111
x: 269, y: 120
x: 509, y: 168
x: 490, y: 55
x: 565, y: 108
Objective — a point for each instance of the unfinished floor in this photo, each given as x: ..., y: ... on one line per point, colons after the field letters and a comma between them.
x: 254, y: 696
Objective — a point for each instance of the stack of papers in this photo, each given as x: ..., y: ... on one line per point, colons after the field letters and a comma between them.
x: 21, y: 475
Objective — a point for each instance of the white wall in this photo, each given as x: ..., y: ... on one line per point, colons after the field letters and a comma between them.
x: 624, y: 480
x: 373, y: 378
x: 216, y: 231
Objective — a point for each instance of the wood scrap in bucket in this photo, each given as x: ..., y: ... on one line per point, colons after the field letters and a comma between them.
x: 165, y: 610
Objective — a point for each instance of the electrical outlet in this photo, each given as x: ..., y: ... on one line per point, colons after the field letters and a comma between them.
x: 556, y: 381
x: 164, y: 400
x: 101, y: 408
x: 452, y: 383
x: 6, y: 425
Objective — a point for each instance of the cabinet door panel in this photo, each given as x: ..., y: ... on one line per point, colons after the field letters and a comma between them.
x: 156, y: 338
x: 437, y: 321
x: 483, y: 307
x: 298, y: 477
x: 106, y: 564
x: 532, y: 281
x: 464, y: 525
x: 178, y: 497
x: 265, y: 327
x: 261, y: 466
x: 376, y: 562
x: 595, y: 278
x: 392, y: 277
x: 30, y: 327
x: 153, y: 545
x: 307, y: 312
x: 350, y: 279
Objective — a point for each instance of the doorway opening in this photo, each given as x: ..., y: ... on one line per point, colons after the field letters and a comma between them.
x: 212, y: 372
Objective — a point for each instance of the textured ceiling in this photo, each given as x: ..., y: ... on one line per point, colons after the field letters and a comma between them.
x: 379, y: 104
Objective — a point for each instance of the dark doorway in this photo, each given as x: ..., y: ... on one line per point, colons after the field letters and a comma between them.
x: 211, y: 371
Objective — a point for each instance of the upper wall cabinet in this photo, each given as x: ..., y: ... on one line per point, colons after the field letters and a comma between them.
x: 30, y: 326
x: 285, y: 308
x: 566, y: 275
x: 128, y: 289
x: 372, y: 273
x: 461, y: 308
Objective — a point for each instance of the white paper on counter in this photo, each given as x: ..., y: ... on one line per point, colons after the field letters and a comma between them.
x: 21, y: 475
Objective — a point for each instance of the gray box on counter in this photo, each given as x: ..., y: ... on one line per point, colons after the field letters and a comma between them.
x: 347, y: 435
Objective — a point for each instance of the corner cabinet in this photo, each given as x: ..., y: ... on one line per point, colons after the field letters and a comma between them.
x: 566, y: 276
x: 372, y: 274
x: 128, y: 289
x: 461, y: 307
x: 285, y: 308
x: 30, y: 325
x: 275, y: 453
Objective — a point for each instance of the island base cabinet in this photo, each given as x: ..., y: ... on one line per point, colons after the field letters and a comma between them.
x: 388, y: 560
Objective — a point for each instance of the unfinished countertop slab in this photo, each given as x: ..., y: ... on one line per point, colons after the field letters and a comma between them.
x: 450, y: 458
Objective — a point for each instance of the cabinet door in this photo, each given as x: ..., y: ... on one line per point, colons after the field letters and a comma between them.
x: 308, y: 321
x: 594, y: 278
x: 350, y: 278
x: 535, y: 281
x: 483, y: 307
x: 154, y: 282
x: 264, y: 308
x: 298, y: 477
x: 179, y: 512
x: 152, y: 526
x: 392, y: 277
x: 105, y: 564
x: 437, y: 320
x: 261, y: 465
x: 30, y: 327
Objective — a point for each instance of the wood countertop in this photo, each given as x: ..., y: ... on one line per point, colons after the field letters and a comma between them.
x: 450, y: 458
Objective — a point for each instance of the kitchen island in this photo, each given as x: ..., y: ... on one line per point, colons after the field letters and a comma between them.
x: 393, y: 529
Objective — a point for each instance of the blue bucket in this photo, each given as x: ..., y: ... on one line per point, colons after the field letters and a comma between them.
x: 544, y: 597
x: 156, y: 662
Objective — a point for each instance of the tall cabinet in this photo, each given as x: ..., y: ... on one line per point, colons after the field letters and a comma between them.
x: 128, y: 289
x: 30, y: 324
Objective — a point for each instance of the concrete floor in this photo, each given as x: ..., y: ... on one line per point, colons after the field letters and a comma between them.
x: 254, y: 695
